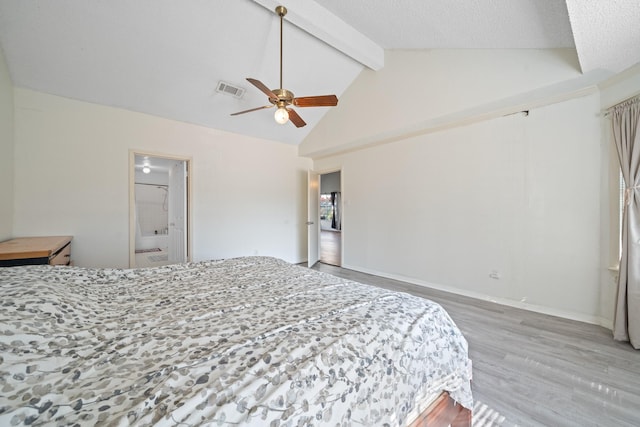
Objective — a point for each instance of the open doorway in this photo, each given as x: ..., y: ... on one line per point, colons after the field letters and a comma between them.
x: 331, y: 219
x: 159, y: 210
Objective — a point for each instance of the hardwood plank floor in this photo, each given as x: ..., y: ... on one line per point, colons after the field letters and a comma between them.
x: 331, y: 247
x: 531, y: 369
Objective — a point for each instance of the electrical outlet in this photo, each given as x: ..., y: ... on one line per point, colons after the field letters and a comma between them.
x: 494, y: 274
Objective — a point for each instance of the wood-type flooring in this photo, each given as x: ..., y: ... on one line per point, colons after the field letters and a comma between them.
x: 531, y: 369
x: 331, y: 247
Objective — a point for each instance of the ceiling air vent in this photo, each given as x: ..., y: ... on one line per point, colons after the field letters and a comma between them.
x: 229, y: 89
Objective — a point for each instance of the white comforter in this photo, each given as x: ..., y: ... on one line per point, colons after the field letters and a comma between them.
x: 251, y: 341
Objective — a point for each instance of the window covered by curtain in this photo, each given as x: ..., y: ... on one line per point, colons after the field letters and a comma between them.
x: 625, y: 121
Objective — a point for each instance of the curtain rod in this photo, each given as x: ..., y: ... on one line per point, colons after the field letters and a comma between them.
x: 607, y: 110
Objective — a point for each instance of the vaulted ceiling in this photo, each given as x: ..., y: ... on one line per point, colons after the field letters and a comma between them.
x: 167, y: 57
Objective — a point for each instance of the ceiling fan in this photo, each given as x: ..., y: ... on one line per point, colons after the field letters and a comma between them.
x: 282, y: 98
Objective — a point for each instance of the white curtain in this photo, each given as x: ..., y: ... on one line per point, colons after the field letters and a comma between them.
x: 625, y: 120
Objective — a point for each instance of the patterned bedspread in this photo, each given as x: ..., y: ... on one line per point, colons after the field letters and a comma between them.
x: 250, y: 341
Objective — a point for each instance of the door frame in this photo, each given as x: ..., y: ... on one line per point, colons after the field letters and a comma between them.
x: 132, y: 200
x: 317, y: 213
x: 313, y: 217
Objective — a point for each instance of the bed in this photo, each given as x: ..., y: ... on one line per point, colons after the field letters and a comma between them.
x: 244, y: 341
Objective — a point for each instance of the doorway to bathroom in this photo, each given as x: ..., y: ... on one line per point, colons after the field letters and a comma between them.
x: 159, y: 210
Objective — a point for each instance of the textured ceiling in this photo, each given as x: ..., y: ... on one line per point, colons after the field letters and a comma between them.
x: 458, y: 24
x: 606, y: 33
x: 166, y: 57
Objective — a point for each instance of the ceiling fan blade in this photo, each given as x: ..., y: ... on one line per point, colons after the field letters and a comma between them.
x: 295, y: 118
x: 262, y: 87
x: 253, y: 109
x: 316, y: 101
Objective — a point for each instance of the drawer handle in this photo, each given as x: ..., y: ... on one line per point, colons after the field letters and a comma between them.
x: 67, y: 256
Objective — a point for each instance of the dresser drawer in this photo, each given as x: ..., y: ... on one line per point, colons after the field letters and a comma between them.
x: 63, y: 257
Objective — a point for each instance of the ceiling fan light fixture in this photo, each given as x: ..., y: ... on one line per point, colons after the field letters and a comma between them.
x: 281, y: 115
x: 282, y: 98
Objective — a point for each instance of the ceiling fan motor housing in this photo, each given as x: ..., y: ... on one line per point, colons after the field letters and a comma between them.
x: 283, y: 96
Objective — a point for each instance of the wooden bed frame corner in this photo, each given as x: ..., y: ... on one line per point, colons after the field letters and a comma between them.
x: 444, y: 411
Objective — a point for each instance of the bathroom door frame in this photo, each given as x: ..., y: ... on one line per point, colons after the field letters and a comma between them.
x: 132, y: 200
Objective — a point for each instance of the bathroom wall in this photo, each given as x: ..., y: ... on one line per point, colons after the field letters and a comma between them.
x: 152, y: 209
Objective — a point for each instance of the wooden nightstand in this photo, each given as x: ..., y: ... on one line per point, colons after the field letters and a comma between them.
x: 54, y: 250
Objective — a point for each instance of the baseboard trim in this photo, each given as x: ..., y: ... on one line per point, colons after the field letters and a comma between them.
x: 580, y: 317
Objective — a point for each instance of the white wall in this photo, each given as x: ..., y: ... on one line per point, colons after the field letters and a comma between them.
x: 622, y: 86
x: 416, y: 86
x: 152, y: 210
x: 330, y: 182
x: 517, y: 195
x: 152, y: 178
x: 6, y: 151
x: 72, y: 177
